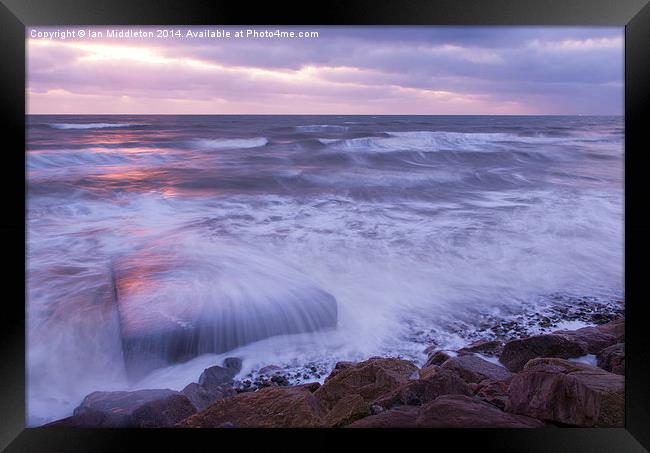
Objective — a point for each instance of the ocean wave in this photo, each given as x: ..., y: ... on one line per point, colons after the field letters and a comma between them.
x: 92, y: 125
x: 432, y: 141
x: 229, y: 143
x: 321, y: 127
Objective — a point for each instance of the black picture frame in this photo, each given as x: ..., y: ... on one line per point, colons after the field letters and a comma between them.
x: 15, y: 15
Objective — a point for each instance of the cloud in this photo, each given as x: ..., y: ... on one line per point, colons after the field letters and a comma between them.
x: 375, y: 70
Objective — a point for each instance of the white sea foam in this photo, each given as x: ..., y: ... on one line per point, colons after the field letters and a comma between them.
x: 229, y: 143
x: 93, y: 125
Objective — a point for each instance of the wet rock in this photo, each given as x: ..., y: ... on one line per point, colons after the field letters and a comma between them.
x: 233, y: 363
x: 311, y: 386
x: 486, y: 347
x: 280, y: 380
x: 347, y: 410
x: 566, y: 392
x: 269, y: 369
x: 421, y: 391
x: 164, y: 320
x: 517, y: 353
x: 612, y: 359
x: 472, y: 368
x: 437, y: 358
x: 615, y: 328
x: 594, y: 339
x: 370, y: 379
x: 201, y: 397
x: 271, y: 407
x: 216, y: 376
x: 428, y: 371
x: 139, y: 409
x: 458, y: 411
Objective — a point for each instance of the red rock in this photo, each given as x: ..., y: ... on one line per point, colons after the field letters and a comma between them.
x: 487, y: 347
x: 612, y: 359
x: 370, y: 379
x: 472, y: 368
x: 458, y: 411
x: 566, y: 392
x: 421, y: 391
x: 517, y: 353
x: 270, y: 407
x: 397, y: 417
x: 493, y: 392
x: 347, y: 410
x: 437, y: 358
x: 615, y: 328
x: 594, y: 338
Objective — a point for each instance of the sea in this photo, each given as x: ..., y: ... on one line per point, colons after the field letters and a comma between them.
x: 422, y: 228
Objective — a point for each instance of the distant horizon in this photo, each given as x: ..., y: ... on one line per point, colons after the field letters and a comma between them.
x: 340, y: 70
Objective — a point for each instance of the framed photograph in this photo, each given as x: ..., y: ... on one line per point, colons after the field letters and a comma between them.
x: 366, y: 219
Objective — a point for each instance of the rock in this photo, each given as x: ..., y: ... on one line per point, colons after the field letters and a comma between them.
x: 421, y: 391
x: 339, y: 367
x: 270, y: 407
x: 370, y: 379
x: 612, y: 359
x: 428, y: 371
x: 493, y: 392
x: 232, y: 363
x: 517, y: 352
x: 397, y: 417
x: 487, y: 347
x: 175, y: 301
x: 458, y: 411
x: 347, y: 410
x: 594, y: 339
x: 280, y: 380
x: 139, y: 409
x: 201, y: 397
x: 216, y: 376
x: 472, y: 368
x: 615, y: 328
x: 570, y: 393
x: 311, y: 386
x: 448, y: 411
x: 269, y: 369
x: 437, y: 358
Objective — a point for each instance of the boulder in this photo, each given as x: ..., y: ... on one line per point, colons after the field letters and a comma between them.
x: 569, y: 393
x: 437, y: 358
x: 139, y: 409
x: 594, y: 338
x: 201, y: 397
x: 369, y: 379
x: 486, y: 347
x: 459, y: 411
x: 615, y: 328
x: 176, y: 300
x: 428, y: 371
x: 347, y: 410
x: 397, y: 417
x: 270, y: 407
x: 215, y: 376
x: 493, y: 392
x: 232, y: 363
x: 474, y: 369
x: 517, y: 352
x: 612, y: 359
x: 421, y: 391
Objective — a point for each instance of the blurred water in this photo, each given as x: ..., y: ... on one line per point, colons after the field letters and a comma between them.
x: 409, y: 222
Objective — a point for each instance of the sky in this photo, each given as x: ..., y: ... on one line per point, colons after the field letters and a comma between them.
x: 344, y: 70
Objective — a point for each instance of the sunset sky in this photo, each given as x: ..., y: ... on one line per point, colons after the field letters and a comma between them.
x: 360, y: 70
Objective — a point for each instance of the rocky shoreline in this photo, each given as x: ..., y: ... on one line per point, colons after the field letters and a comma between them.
x: 561, y: 378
